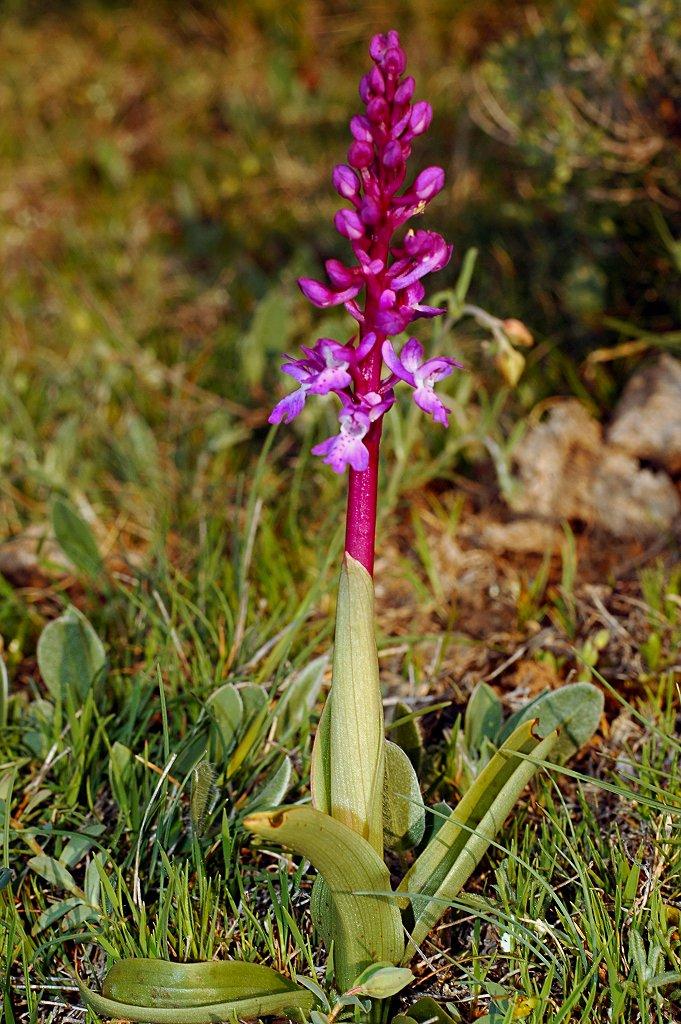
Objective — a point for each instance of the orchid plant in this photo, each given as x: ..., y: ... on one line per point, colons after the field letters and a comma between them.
x: 365, y: 791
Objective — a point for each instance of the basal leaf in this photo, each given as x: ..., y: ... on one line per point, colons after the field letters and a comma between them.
x: 75, y: 537
x: 575, y: 710
x: 70, y: 655
x: 404, y: 816
x: 381, y: 981
x: 431, y: 866
x: 468, y: 833
x: 368, y: 926
x: 159, y: 992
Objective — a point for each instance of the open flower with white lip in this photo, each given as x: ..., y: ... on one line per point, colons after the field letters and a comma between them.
x: 347, y: 448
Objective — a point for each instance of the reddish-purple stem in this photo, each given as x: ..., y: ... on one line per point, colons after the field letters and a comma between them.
x: 362, y: 508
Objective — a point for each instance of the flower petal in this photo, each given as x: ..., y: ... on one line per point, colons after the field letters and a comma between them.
x: 427, y: 400
x: 395, y: 364
x: 334, y: 378
x: 289, y: 407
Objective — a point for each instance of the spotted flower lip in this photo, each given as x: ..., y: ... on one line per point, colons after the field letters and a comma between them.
x: 347, y: 448
x: 421, y: 374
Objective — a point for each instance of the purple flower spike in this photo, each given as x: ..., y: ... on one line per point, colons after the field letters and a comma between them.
x: 409, y: 366
x: 380, y: 286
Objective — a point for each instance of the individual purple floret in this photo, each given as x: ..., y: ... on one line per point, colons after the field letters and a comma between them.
x: 410, y: 367
x: 382, y: 289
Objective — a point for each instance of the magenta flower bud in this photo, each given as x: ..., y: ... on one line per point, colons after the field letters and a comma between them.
x: 377, y: 110
x: 405, y: 91
x: 320, y: 295
x: 392, y: 154
x: 400, y: 125
x: 421, y: 116
x: 345, y: 181
x: 365, y: 92
x: 340, y: 275
x: 361, y: 129
x: 370, y: 211
x: 360, y: 154
x: 429, y: 183
x: 377, y: 47
x: 376, y: 81
x: 349, y: 225
x: 394, y: 61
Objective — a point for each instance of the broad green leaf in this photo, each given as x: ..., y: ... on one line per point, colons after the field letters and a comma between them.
x: 367, y: 923
x: 468, y: 832
x: 75, y: 537
x: 159, y: 992
x: 275, y: 789
x: 70, y: 655
x: 405, y: 731
x: 575, y: 710
x: 227, y: 709
x: 356, y: 726
x: 54, y: 872
x: 381, y: 981
x: 404, y: 816
x: 483, y: 717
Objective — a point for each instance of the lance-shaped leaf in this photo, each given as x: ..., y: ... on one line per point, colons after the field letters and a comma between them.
x: 367, y: 923
x: 159, y: 992
x: 439, y: 873
x: 356, y: 730
x: 404, y: 816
